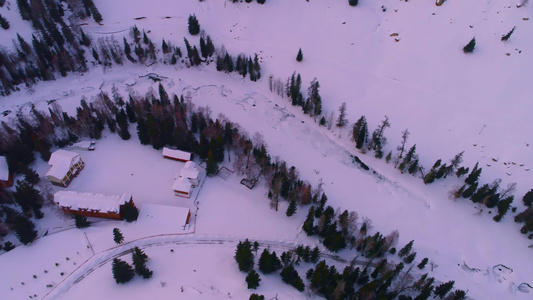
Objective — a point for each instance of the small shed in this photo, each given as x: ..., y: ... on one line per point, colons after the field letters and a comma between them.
x: 182, y: 187
x: 65, y: 166
x: 92, y: 205
x: 190, y: 172
x: 6, y: 177
x: 178, y: 155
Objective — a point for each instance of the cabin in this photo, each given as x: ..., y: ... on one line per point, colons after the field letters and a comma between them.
x: 84, y: 145
x: 182, y: 187
x: 190, y: 172
x: 92, y: 205
x: 65, y: 166
x: 6, y: 177
x: 178, y: 155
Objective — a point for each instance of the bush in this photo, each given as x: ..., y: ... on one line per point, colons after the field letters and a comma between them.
x: 81, y: 221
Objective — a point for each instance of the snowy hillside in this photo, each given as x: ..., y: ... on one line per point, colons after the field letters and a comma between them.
x: 394, y: 58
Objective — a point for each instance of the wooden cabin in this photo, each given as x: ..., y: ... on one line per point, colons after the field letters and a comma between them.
x: 178, y: 155
x: 182, y: 187
x: 6, y: 177
x: 65, y: 166
x: 92, y: 205
x: 190, y: 172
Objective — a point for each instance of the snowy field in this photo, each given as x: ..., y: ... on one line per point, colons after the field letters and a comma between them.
x: 450, y: 102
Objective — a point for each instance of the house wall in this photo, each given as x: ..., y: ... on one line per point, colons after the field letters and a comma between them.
x: 9, y: 183
x: 92, y: 213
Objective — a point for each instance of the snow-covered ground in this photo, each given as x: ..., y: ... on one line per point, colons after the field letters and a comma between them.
x: 449, y: 101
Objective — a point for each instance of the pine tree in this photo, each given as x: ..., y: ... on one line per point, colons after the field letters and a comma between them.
x: 443, y: 289
x: 469, y: 48
x: 130, y: 212
x: 269, y: 262
x: 194, y: 25
x: 244, y: 256
x: 81, y: 221
x: 423, y: 263
x: 474, y: 175
x: 308, y: 225
x: 528, y: 198
x: 139, y: 262
x: 24, y: 229
x: 410, y: 258
x: 360, y: 132
x: 210, y: 47
x: 212, y: 164
x: 505, y: 37
x: 408, y: 159
x: 261, y: 1
x: 353, y: 2
x: 300, y: 55
x: 291, y: 209
x: 255, y: 296
x: 406, y: 249
x: 122, y: 271
x: 117, y: 236
x: 290, y: 275
x: 4, y: 23
x: 253, y: 279
x: 341, y: 119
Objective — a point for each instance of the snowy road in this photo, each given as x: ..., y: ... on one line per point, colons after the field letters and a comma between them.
x: 102, y: 258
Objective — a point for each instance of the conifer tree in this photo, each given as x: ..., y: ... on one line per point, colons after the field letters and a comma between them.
x: 212, y: 164
x: 81, y: 221
x: 360, y: 132
x: 291, y: 209
x: 139, y: 263
x: 341, y: 119
x: 506, y: 36
x: 244, y: 256
x: 406, y: 249
x: 117, y: 236
x: 290, y: 275
x: 308, y: 225
x: 4, y: 23
x: 353, y: 2
x: 210, y: 47
x: 122, y: 271
x: 300, y: 55
x: 469, y: 48
x: 474, y: 175
x: 443, y: 289
x: 423, y: 263
x: 255, y: 296
x: 24, y: 229
x: 528, y: 198
x: 253, y: 279
x: 194, y: 25
x: 401, y: 147
x: 131, y: 213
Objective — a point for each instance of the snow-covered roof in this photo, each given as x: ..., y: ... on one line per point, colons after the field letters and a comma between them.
x: 182, y: 185
x: 4, y: 169
x: 189, y: 170
x: 61, y: 161
x: 165, y: 215
x: 176, y: 154
x: 90, y: 201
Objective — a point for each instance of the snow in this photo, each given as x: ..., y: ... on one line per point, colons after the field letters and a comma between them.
x: 91, y: 201
x: 449, y: 101
x: 176, y: 154
x: 165, y: 216
x: 4, y: 169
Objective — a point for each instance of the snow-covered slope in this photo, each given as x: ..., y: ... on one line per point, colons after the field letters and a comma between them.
x: 450, y: 102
